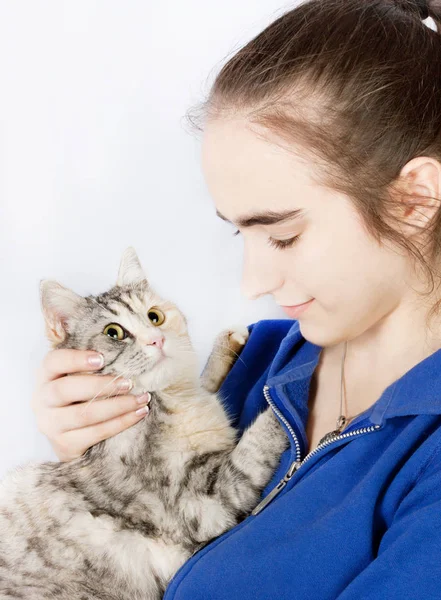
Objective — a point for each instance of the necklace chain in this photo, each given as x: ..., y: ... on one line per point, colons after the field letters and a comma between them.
x: 341, y: 421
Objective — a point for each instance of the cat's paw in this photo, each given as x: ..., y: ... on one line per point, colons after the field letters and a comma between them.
x: 234, y: 338
x: 238, y: 337
x: 227, y: 346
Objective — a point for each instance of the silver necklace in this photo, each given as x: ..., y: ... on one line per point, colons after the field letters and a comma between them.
x: 341, y: 421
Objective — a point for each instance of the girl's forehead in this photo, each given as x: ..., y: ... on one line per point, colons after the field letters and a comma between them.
x: 249, y: 173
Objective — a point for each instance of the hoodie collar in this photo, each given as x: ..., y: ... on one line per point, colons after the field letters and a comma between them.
x: 418, y: 391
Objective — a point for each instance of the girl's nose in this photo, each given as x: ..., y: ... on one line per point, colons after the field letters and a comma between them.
x: 258, y: 277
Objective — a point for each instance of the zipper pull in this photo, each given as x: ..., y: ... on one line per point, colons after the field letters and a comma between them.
x: 292, y: 469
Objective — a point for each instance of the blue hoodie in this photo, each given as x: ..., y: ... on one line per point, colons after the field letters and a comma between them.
x: 358, y: 517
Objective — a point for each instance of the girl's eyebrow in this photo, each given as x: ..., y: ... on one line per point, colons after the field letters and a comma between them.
x: 268, y: 217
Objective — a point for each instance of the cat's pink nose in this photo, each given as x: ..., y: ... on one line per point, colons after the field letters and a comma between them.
x: 159, y: 342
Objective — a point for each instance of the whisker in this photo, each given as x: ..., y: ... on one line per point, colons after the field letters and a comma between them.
x: 104, y: 387
x: 185, y: 347
x: 217, y: 354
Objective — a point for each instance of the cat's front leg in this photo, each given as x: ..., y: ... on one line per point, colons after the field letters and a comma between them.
x: 249, y: 467
x: 227, y: 347
x: 221, y: 489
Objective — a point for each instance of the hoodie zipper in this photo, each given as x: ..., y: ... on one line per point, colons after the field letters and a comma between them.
x: 298, y: 463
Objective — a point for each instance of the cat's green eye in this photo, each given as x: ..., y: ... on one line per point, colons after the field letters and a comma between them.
x: 156, y: 316
x: 115, y: 331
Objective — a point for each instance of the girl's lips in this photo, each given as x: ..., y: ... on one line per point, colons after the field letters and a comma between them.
x: 295, y: 311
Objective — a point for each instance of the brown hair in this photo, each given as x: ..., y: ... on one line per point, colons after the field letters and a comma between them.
x: 357, y: 86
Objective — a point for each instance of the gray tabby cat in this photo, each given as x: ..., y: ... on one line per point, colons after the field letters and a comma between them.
x: 118, y: 522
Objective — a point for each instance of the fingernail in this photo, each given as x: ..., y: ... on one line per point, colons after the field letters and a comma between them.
x: 125, y: 384
x: 96, y: 360
x: 144, y: 399
x: 142, y: 411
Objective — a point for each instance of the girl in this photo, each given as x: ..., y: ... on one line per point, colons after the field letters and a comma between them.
x: 322, y: 145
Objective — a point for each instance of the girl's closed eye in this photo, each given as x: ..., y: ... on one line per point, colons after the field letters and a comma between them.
x: 279, y: 244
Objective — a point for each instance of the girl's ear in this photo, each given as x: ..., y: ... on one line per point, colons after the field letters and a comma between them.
x: 130, y: 269
x: 58, y: 304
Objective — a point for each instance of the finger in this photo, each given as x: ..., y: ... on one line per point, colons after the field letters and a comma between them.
x: 62, y: 361
x: 91, y: 435
x: 78, y: 416
x: 80, y: 388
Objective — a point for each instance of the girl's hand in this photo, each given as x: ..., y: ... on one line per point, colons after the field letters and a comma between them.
x: 61, y: 403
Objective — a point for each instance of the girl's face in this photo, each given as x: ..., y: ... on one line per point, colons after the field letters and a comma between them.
x: 328, y: 255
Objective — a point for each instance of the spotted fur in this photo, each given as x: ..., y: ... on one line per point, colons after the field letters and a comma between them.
x: 118, y: 522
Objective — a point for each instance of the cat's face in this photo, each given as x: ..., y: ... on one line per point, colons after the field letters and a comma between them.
x: 140, y: 335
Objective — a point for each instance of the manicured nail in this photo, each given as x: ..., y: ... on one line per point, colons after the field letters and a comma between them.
x: 142, y: 411
x: 96, y: 360
x: 125, y: 384
x: 144, y: 399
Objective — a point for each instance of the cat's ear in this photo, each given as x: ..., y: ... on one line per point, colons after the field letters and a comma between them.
x: 58, y: 303
x: 130, y: 269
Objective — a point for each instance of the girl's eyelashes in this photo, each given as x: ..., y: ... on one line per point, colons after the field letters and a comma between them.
x: 282, y: 244
x: 279, y: 244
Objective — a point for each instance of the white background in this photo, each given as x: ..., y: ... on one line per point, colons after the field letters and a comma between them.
x: 95, y: 156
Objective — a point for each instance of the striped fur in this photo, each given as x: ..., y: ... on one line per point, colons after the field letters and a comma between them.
x: 117, y: 523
